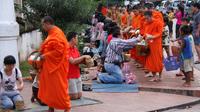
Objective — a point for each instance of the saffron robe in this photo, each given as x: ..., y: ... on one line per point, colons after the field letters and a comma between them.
x: 155, y: 58
x: 53, y: 83
x: 138, y: 22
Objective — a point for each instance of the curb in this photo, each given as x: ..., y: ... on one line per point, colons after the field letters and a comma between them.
x: 194, y: 93
x: 177, y: 106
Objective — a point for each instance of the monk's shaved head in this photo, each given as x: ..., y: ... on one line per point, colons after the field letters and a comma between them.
x: 149, y: 5
x: 148, y: 16
x: 148, y: 13
x: 47, y: 23
x: 48, y: 19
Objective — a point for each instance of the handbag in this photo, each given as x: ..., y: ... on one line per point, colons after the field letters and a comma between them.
x: 128, y: 76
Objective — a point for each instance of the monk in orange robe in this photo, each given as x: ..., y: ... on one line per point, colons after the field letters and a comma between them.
x: 158, y: 15
x: 53, y: 84
x: 153, y: 33
x: 137, y: 23
x: 136, y: 18
x: 141, y: 59
x: 124, y: 19
x: 155, y: 14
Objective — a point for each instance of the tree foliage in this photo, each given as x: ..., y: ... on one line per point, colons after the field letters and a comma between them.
x: 68, y: 14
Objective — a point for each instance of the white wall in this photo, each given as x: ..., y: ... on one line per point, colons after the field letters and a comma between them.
x: 27, y: 43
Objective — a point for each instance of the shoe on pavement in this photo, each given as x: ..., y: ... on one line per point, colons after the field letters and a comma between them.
x: 19, y: 105
x: 197, y: 62
x: 149, y: 75
x: 5, y: 110
x: 179, y: 74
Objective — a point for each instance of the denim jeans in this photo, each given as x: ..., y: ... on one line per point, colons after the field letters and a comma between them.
x: 113, y: 75
x: 8, y: 99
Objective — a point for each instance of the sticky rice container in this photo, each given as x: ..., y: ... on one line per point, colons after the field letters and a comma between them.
x: 34, y: 60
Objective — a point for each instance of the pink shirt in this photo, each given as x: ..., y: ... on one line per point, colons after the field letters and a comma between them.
x: 179, y: 16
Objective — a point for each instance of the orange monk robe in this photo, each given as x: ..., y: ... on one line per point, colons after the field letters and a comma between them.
x: 136, y: 21
x: 158, y: 16
x: 135, y: 25
x: 155, y: 58
x: 141, y: 59
x: 142, y: 25
x: 53, y: 75
x: 124, y: 20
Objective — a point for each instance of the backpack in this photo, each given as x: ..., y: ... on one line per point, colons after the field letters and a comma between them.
x: 16, y: 73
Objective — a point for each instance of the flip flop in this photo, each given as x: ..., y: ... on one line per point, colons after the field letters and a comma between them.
x: 197, y: 62
x: 178, y: 75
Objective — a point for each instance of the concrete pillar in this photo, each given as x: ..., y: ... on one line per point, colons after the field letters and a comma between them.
x: 9, y: 31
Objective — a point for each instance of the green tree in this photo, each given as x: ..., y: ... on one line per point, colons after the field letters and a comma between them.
x: 70, y: 15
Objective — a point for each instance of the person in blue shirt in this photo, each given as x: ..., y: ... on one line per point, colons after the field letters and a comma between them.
x: 186, y: 54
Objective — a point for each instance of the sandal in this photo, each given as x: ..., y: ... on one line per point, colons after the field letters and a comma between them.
x: 186, y: 85
x: 197, y: 62
x: 153, y: 80
x: 178, y: 75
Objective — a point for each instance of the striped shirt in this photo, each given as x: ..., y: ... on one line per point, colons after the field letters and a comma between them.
x: 116, y: 47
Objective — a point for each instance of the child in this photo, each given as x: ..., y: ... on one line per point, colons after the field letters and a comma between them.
x: 185, y: 21
x: 10, y: 92
x: 186, y: 55
x: 74, y: 76
x: 35, y: 88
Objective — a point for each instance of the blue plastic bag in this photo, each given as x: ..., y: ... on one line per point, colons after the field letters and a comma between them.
x: 171, y: 63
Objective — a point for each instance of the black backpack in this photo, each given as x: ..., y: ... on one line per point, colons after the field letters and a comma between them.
x: 16, y: 73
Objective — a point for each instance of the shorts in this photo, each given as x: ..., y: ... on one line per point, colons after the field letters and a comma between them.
x: 75, y: 85
x: 187, y: 65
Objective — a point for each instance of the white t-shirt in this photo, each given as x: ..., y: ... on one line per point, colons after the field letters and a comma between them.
x: 8, y: 83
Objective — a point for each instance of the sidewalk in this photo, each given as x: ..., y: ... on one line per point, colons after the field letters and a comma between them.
x: 120, y: 102
x: 152, y: 96
x: 170, y: 82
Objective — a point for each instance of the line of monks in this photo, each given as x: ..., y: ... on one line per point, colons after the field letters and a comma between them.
x: 136, y: 19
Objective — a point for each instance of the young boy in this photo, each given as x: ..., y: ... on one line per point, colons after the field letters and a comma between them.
x: 35, y: 88
x: 185, y: 21
x: 187, y: 54
x: 9, y: 91
x: 75, y: 83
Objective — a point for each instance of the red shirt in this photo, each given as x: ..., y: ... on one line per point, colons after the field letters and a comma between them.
x: 104, y: 11
x: 109, y: 38
x: 74, y: 70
